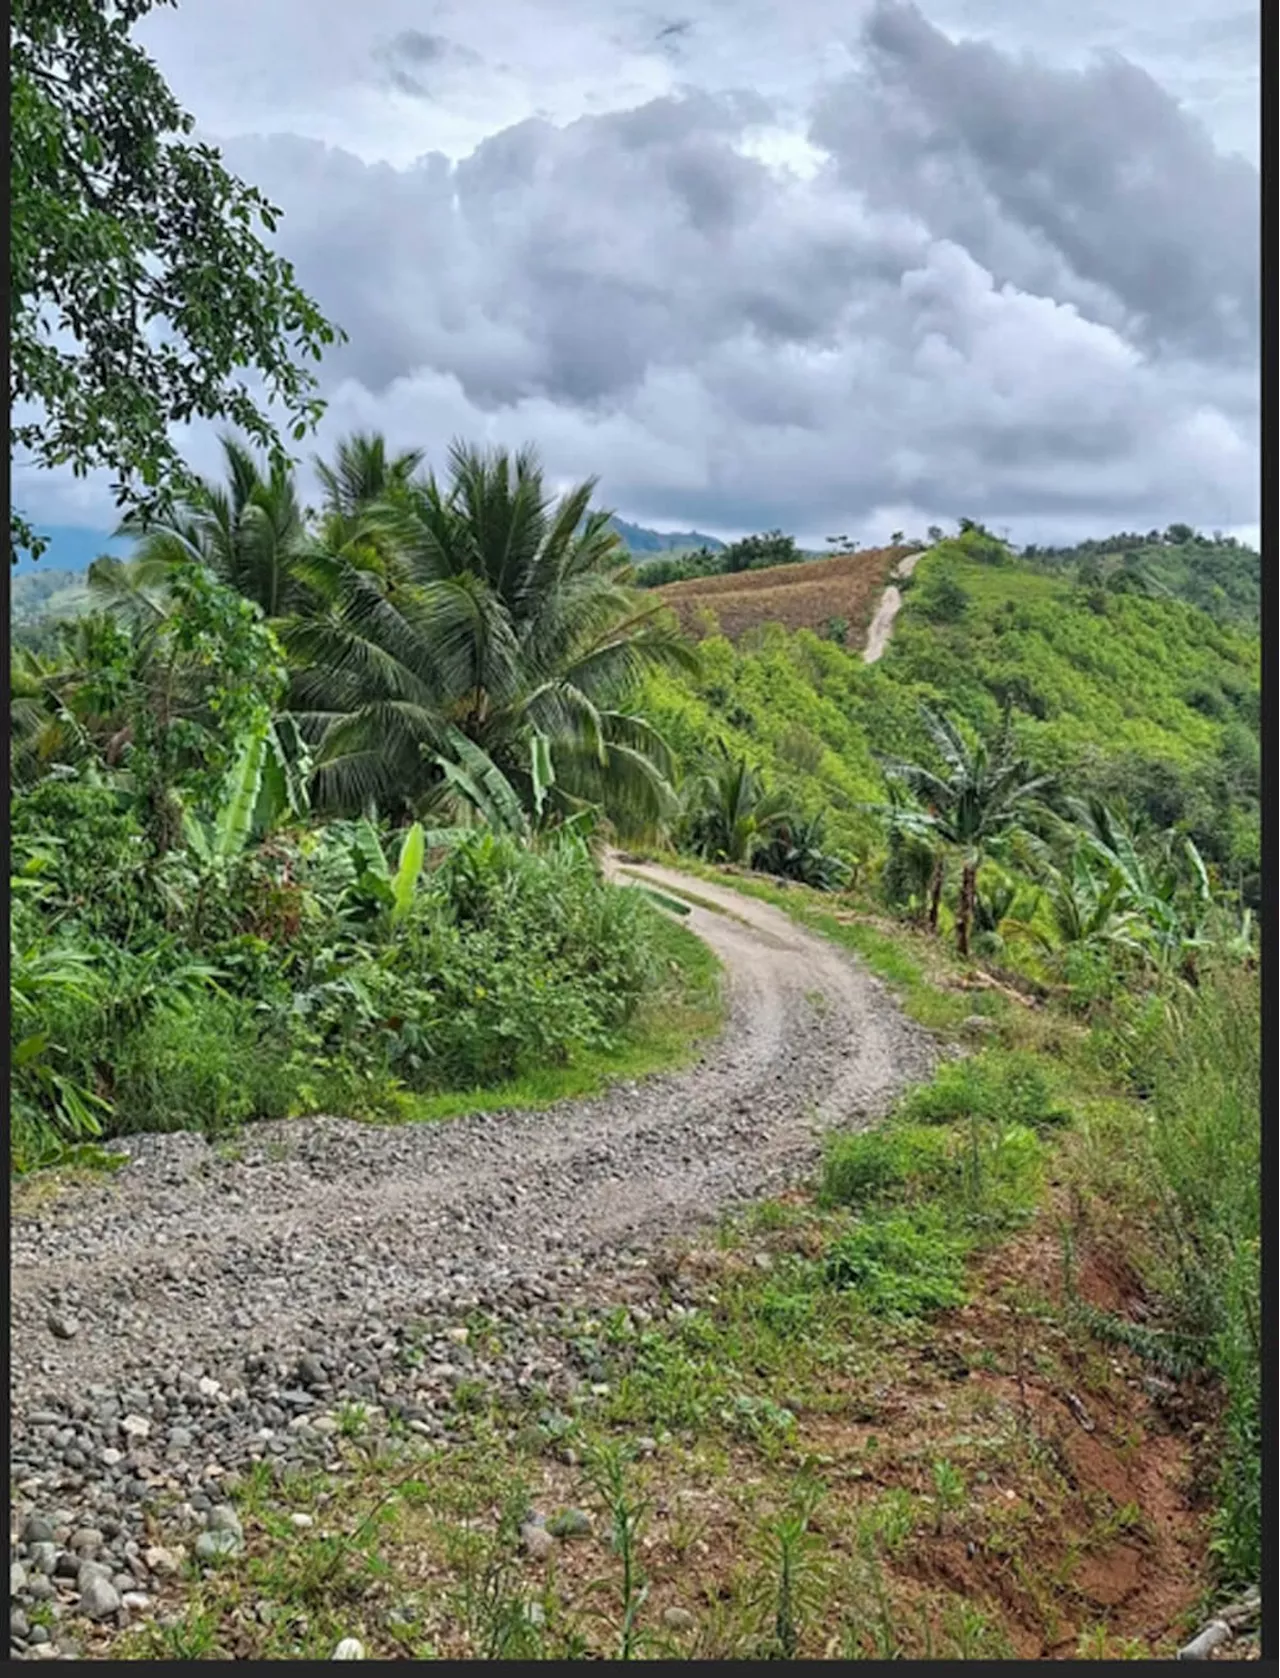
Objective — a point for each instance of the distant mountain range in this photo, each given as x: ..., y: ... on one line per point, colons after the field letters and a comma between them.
x: 73, y: 549
x: 640, y: 541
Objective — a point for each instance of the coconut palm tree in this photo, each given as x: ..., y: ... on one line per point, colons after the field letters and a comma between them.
x: 362, y: 474
x: 249, y: 533
x: 980, y: 798
x: 498, y: 650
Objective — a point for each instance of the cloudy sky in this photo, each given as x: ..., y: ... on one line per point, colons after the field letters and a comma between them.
x: 834, y: 266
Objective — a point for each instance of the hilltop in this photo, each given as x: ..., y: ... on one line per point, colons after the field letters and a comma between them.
x: 1141, y: 698
x: 835, y: 597
x: 1217, y: 573
x: 639, y: 540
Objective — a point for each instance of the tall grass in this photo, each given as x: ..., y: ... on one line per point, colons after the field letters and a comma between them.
x: 1206, y: 1156
x: 1176, y: 1174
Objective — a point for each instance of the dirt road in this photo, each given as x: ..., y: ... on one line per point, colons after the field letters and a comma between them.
x: 890, y: 605
x: 323, y: 1233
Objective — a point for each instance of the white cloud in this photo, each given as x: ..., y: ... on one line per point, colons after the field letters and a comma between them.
x: 905, y: 278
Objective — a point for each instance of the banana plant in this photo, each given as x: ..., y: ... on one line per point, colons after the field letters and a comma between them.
x: 472, y: 773
x: 376, y: 886
x: 267, y: 781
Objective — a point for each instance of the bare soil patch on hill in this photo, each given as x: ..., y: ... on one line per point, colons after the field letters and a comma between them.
x: 808, y: 596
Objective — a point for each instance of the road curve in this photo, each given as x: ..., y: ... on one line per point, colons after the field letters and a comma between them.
x: 881, y: 627
x: 188, y: 1261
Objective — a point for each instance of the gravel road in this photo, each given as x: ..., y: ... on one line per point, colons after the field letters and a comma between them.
x: 890, y: 605
x: 196, y: 1310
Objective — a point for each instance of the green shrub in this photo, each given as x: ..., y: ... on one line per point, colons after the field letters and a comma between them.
x: 984, y: 1175
x: 197, y: 994
x: 201, y: 1064
x: 1007, y: 1087
x: 874, y: 1166
x: 900, y: 1265
x: 1206, y: 1142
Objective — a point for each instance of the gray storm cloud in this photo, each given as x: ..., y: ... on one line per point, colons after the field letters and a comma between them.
x: 1009, y: 290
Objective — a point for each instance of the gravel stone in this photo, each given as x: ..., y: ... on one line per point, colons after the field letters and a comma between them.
x: 225, y: 1519
x: 98, y: 1598
x: 213, y: 1546
x: 226, y: 1299
x: 350, y: 1649
x: 537, y: 1541
x: 311, y: 1371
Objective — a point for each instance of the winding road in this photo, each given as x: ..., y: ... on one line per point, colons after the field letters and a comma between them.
x: 881, y: 627
x: 325, y: 1232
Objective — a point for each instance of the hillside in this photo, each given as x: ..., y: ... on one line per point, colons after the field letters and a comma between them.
x: 835, y: 597
x: 1218, y: 574
x: 1149, y: 702
x: 641, y: 541
x: 38, y: 599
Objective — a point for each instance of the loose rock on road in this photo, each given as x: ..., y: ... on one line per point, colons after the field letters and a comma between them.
x: 203, y: 1309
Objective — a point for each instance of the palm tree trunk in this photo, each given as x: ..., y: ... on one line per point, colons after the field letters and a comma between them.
x: 935, y: 886
x: 968, y: 897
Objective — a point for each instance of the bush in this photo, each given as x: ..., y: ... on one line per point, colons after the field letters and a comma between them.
x: 1007, y: 1087
x: 1178, y: 1171
x: 904, y: 1266
x: 203, y: 1064
x: 178, y: 994
x: 985, y: 1176
x: 1206, y: 1145
x: 874, y: 1166
x: 942, y: 598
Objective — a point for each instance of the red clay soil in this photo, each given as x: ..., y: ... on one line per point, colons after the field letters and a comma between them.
x: 1109, y: 1484
x: 1120, y: 1441
x: 804, y: 596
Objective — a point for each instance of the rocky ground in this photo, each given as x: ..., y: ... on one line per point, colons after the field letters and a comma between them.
x: 207, y: 1308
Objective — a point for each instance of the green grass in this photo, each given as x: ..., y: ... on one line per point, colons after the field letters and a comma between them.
x: 665, y: 1034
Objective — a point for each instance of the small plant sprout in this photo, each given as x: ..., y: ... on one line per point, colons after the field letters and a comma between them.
x: 948, y: 1491
x: 607, y: 1468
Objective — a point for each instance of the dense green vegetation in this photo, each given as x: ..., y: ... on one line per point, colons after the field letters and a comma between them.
x: 196, y: 990
x: 225, y: 905
x: 1147, y: 703
x: 40, y: 601
x: 1217, y: 573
